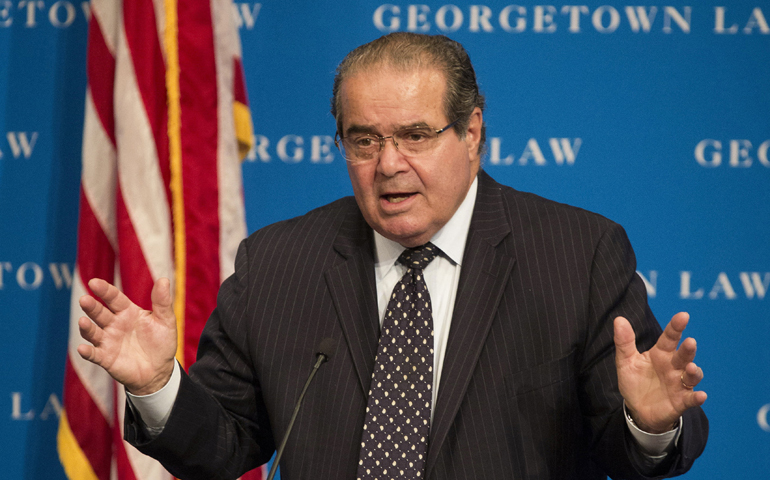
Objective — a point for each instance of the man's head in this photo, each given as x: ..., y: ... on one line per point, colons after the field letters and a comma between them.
x: 400, y: 81
x: 409, y: 51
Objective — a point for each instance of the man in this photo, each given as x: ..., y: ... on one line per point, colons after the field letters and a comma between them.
x: 527, y: 363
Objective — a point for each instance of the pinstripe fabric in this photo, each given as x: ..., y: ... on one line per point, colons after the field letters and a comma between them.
x: 528, y: 388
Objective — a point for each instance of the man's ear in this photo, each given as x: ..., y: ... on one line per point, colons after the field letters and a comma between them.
x: 473, y: 133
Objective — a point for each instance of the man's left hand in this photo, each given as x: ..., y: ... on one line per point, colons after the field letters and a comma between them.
x: 657, y: 385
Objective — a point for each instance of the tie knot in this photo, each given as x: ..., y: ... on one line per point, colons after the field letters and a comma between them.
x: 418, y: 257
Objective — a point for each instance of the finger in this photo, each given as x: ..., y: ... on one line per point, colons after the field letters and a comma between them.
x: 684, y: 354
x: 669, y: 340
x: 692, y: 375
x: 91, y: 353
x: 110, y: 295
x: 87, y: 352
x: 96, y: 311
x: 162, y: 304
x: 695, y: 399
x: 89, y: 331
x: 625, y: 339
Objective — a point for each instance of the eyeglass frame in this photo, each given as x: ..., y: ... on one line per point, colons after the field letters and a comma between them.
x: 338, y: 138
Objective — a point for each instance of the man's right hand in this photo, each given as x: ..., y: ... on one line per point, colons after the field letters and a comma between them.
x: 136, y: 347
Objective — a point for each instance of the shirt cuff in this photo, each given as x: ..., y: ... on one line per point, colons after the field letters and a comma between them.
x: 653, y: 445
x: 155, y: 408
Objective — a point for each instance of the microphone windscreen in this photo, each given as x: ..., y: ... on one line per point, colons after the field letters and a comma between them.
x: 327, y: 347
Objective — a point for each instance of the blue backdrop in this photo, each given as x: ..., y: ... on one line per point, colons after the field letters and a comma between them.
x: 657, y: 116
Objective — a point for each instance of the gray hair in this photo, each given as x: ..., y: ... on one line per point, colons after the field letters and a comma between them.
x: 410, y: 51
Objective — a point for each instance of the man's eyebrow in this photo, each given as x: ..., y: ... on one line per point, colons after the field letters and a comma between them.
x: 353, y: 129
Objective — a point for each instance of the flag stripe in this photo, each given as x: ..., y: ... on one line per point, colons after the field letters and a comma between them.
x: 100, y: 70
x: 98, y: 176
x: 125, y: 469
x: 131, y: 259
x: 94, y: 248
x: 198, y: 94
x: 150, y: 71
x: 231, y: 206
x: 107, y: 13
x: 139, y: 175
x: 93, y: 435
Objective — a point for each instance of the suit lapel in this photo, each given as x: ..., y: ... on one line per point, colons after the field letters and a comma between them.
x: 485, y: 272
x: 353, y: 291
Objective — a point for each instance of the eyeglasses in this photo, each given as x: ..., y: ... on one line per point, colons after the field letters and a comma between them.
x: 411, y: 141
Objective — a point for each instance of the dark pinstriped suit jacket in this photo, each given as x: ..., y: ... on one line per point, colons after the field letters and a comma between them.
x: 528, y: 388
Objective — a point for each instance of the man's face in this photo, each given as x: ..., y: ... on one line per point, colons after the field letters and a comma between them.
x: 408, y: 199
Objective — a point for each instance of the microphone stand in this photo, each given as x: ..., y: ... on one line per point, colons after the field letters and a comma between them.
x: 322, y: 357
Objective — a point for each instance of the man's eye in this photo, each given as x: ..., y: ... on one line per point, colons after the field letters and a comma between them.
x: 415, y: 136
x: 363, y: 142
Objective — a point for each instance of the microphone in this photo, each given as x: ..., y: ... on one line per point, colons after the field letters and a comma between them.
x: 324, y: 352
x: 327, y: 348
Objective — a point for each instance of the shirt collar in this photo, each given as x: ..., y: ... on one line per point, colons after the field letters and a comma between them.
x: 450, y: 238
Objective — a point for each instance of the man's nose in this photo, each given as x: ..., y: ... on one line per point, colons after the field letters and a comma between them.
x: 391, y: 160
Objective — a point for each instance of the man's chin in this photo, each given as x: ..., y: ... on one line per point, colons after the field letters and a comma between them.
x: 407, y: 237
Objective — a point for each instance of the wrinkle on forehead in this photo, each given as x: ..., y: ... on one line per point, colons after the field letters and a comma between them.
x: 409, y: 91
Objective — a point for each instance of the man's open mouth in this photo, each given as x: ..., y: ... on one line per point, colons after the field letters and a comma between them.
x: 397, y: 197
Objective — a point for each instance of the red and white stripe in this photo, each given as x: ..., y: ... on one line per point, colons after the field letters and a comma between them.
x: 127, y: 227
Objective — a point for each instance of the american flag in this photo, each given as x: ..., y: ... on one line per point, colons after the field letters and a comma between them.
x: 161, y: 196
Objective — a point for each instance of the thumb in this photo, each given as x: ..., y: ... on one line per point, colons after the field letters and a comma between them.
x: 162, y: 305
x: 625, y: 340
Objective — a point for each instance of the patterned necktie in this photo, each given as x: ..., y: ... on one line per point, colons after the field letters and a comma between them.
x: 395, y: 436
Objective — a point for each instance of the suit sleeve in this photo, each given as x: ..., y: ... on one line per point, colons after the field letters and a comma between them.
x: 616, y: 290
x: 218, y: 427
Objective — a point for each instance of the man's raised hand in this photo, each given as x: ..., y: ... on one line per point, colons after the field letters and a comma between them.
x: 657, y: 385
x: 135, y: 346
